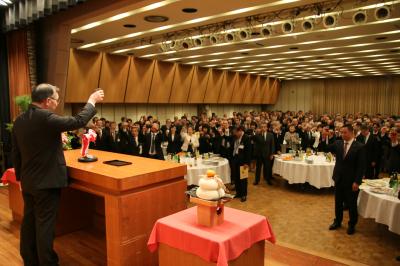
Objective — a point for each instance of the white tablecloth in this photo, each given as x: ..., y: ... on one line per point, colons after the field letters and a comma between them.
x: 193, y: 172
x: 318, y: 174
x: 385, y: 209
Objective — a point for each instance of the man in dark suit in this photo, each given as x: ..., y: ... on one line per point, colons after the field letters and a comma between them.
x: 123, y: 138
x: 372, y: 152
x: 152, y: 145
x: 134, y: 147
x: 348, y: 172
x: 307, y: 139
x: 241, y: 156
x: 110, y: 137
x: 264, y: 148
x: 39, y: 164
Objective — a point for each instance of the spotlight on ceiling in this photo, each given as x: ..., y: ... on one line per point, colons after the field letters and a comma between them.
x: 229, y: 37
x: 266, y: 31
x: 307, y: 25
x: 244, y: 34
x: 215, y: 39
x: 174, y: 45
x: 186, y: 44
x: 330, y: 21
x: 382, y: 13
x: 165, y: 46
x: 360, y: 17
x: 197, y: 42
x: 287, y: 27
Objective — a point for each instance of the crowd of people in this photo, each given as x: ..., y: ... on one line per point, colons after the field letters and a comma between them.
x: 251, y: 138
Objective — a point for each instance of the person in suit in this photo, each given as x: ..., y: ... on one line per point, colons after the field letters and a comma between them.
x: 174, y: 141
x: 292, y: 138
x: 394, y: 151
x: 371, y: 152
x: 264, y: 149
x: 226, y: 140
x: 152, y: 145
x: 110, y: 138
x: 278, y: 138
x: 348, y: 173
x: 123, y: 138
x: 241, y: 156
x: 307, y: 139
x: 204, y: 141
x: 40, y: 165
x: 134, y: 146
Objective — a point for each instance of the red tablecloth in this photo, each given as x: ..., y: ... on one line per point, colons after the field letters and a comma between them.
x: 9, y: 176
x: 220, y: 244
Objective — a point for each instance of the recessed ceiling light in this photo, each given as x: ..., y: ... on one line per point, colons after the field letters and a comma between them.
x: 156, y: 18
x: 380, y: 38
x: 294, y: 48
x: 394, y: 51
x: 244, y: 53
x: 130, y: 53
x: 189, y: 10
x: 129, y: 25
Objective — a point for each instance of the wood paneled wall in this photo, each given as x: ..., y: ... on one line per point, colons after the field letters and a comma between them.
x: 359, y: 94
x: 135, y: 80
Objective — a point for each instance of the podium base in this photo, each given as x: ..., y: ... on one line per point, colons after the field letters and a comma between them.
x: 87, y: 159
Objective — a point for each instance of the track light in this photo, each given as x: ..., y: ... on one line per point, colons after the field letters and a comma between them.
x: 307, y: 25
x: 244, y: 34
x: 287, y: 27
x: 266, y: 31
x: 382, y: 12
x: 229, y: 37
x: 360, y: 17
x: 174, y: 45
x: 215, y: 39
x: 330, y: 21
x: 186, y: 44
x: 197, y: 42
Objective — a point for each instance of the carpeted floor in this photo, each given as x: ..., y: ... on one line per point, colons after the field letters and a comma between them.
x: 300, y: 217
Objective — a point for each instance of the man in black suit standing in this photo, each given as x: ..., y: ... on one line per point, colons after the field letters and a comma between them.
x: 372, y: 152
x: 39, y: 164
x: 241, y: 156
x: 264, y: 149
x: 347, y: 174
x: 152, y: 145
x: 174, y: 141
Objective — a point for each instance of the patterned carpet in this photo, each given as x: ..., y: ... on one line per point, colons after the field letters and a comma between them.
x: 300, y: 217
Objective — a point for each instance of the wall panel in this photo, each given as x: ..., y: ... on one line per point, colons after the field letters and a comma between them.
x: 139, y: 80
x: 254, y: 83
x: 243, y: 84
x: 161, y: 83
x: 114, y: 77
x: 214, y: 85
x: 230, y: 82
x: 83, y: 75
x: 199, y: 84
x: 181, y: 84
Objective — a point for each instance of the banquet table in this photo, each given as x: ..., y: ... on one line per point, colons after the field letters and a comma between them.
x: 384, y: 208
x: 317, y: 174
x: 192, y: 243
x: 194, y: 172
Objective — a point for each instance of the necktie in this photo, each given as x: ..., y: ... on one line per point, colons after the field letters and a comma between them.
x: 235, y: 150
x: 265, y: 136
x: 153, y: 146
x: 345, y: 149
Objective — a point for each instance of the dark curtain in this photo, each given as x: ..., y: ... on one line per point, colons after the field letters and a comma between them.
x: 4, y: 98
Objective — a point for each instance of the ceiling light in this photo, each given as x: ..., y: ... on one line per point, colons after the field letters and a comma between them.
x: 287, y: 27
x: 308, y: 25
x: 229, y: 37
x: 186, y: 44
x: 330, y: 21
x: 156, y: 18
x: 382, y: 13
x: 129, y: 25
x: 360, y: 17
x: 215, y: 39
x: 198, y: 42
x: 189, y: 10
x: 244, y: 34
x: 266, y: 31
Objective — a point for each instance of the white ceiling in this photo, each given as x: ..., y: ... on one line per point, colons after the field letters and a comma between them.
x: 347, y: 49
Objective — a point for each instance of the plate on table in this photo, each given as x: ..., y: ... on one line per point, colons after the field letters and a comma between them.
x: 381, y: 190
x: 376, y: 183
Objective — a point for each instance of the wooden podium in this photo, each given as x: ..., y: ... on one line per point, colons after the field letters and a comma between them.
x: 128, y: 200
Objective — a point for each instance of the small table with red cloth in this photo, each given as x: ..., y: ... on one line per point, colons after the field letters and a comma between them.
x: 238, y: 241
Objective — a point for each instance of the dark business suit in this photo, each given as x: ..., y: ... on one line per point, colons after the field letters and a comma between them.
x: 278, y: 140
x: 242, y: 157
x: 307, y: 140
x: 40, y: 165
x: 110, y: 141
x: 157, y: 148
x: 372, y: 154
x: 348, y: 170
x: 264, y: 147
x: 123, y: 141
x: 134, y: 146
x: 174, y: 146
